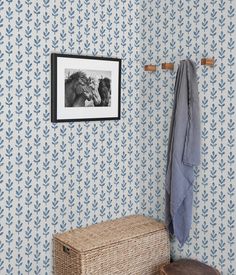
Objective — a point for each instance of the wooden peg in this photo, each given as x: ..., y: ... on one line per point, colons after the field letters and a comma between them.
x: 167, y: 66
x: 150, y: 68
x: 208, y: 62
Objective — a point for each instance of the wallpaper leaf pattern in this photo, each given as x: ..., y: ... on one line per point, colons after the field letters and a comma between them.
x: 57, y: 176
x: 175, y: 30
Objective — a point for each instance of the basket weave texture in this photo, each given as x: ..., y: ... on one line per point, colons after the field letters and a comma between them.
x: 135, y: 245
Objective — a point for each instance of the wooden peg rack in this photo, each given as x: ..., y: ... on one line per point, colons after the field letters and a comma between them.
x: 208, y: 62
x: 150, y: 68
x: 170, y: 66
x: 167, y: 66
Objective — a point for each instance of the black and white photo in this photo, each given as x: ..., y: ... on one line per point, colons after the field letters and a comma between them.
x: 85, y: 88
x: 93, y: 88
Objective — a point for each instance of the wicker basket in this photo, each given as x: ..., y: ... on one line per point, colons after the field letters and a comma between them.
x: 134, y: 245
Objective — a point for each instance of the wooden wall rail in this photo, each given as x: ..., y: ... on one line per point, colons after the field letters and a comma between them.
x: 170, y: 66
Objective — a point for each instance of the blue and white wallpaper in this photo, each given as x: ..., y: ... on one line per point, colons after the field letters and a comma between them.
x: 57, y: 176
x: 175, y: 30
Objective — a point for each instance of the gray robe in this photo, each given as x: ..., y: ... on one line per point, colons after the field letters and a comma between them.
x: 183, y: 152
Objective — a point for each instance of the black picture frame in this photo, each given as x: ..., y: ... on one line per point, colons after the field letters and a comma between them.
x: 54, y: 87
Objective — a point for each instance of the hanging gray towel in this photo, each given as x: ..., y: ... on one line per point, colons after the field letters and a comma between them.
x: 183, y: 152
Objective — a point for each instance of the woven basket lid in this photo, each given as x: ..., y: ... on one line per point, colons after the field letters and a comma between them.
x: 109, y: 232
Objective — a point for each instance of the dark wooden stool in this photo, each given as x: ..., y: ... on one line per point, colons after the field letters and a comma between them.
x: 188, y: 267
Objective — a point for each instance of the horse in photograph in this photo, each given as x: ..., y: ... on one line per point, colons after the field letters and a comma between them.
x: 93, y: 82
x: 78, y: 89
x: 104, y: 90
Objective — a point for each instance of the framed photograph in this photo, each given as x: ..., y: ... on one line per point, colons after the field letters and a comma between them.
x: 84, y: 88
